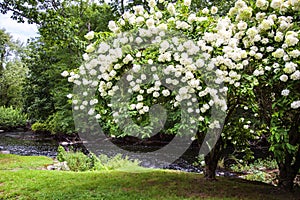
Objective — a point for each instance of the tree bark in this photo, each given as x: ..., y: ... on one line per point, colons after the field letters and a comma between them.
x: 211, y: 161
x: 286, y: 176
x: 289, y: 167
x: 212, y: 158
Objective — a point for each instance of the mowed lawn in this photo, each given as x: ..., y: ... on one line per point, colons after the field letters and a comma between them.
x: 23, y: 178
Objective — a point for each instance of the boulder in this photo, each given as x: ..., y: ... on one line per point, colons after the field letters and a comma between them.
x: 4, y: 152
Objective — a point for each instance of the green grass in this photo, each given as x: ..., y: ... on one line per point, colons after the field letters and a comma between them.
x: 10, y: 161
x: 122, y: 185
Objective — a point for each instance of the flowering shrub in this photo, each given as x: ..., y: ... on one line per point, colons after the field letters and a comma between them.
x: 190, y: 63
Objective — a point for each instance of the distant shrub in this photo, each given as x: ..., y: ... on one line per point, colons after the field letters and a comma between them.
x: 60, y: 122
x: 11, y: 118
x: 39, y: 126
x: 78, y: 161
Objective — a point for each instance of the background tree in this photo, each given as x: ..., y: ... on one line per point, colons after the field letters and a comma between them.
x: 12, y: 71
x: 59, y: 48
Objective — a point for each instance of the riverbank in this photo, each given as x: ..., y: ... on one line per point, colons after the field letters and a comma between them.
x: 22, y: 177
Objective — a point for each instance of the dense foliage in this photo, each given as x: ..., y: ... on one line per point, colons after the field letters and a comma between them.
x: 11, y: 118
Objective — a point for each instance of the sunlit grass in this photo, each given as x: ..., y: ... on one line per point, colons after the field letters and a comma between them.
x: 128, y: 184
x: 10, y: 161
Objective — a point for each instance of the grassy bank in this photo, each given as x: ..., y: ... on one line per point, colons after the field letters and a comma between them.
x: 19, y: 179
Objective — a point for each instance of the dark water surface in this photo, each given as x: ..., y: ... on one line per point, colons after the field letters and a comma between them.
x: 31, y: 144
x: 28, y: 143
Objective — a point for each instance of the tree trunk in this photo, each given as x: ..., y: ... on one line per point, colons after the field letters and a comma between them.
x: 211, y: 161
x: 289, y: 167
x: 286, y: 176
x: 211, y: 164
x: 212, y: 158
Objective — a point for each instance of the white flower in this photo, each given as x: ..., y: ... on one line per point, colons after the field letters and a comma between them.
x: 90, y: 48
x: 214, y: 10
x: 90, y: 35
x: 152, y: 3
x: 246, y: 126
x: 143, y: 77
x: 163, y: 26
x: 187, y: 2
x: 295, y: 104
x: 139, y: 98
x: 85, y: 56
x: 127, y: 59
x: 258, y: 56
x: 270, y: 49
x: 139, y: 106
x: 129, y: 78
x: 290, y: 67
x: 150, y: 61
x: 98, y: 116
x: 205, y: 11
x: 112, y: 26
x: 295, y: 75
x: 166, y: 93
x: 283, y: 78
x: 261, y: 3
x: 171, y: 9
x: 256, y: 72
x: 285, y: 92
x: 139, y: 10
x: 136, y: 68
x: 91, y: 111
x: 295, y: 53
x: 192, y: 18
x: 146, y: 109
x: 69, y: 96
x: 150, y: 23
x: 65, y: 73
x: 140, y: 20
x: 279, y: 53
x: 164, y: 46
x: 158, y: 15
x: 291, y: 40
x: 276, y: 4
x: 242, y: 25
x: 155, y: 94
x: 266, y: 24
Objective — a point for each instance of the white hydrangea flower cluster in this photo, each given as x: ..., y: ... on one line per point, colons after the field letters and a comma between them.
x: 230, y: 48
x: 279, y: 56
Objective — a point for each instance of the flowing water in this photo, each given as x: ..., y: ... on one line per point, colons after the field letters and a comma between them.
x: 29, y: 143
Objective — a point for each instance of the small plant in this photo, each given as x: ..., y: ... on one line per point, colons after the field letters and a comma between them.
x: 106, y: 163
x: 200, y: 161
x: 78, y: 161
x: 264, y: 170
x: 11, y: 118
x: 61, y: 154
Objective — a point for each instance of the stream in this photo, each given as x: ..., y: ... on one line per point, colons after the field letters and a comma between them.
x: 29, y: 143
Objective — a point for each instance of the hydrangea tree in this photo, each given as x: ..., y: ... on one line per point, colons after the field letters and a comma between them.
x: 271, y: 39
x: 198, y: 67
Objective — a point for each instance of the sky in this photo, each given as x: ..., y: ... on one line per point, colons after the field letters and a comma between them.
x: 19, y: 31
